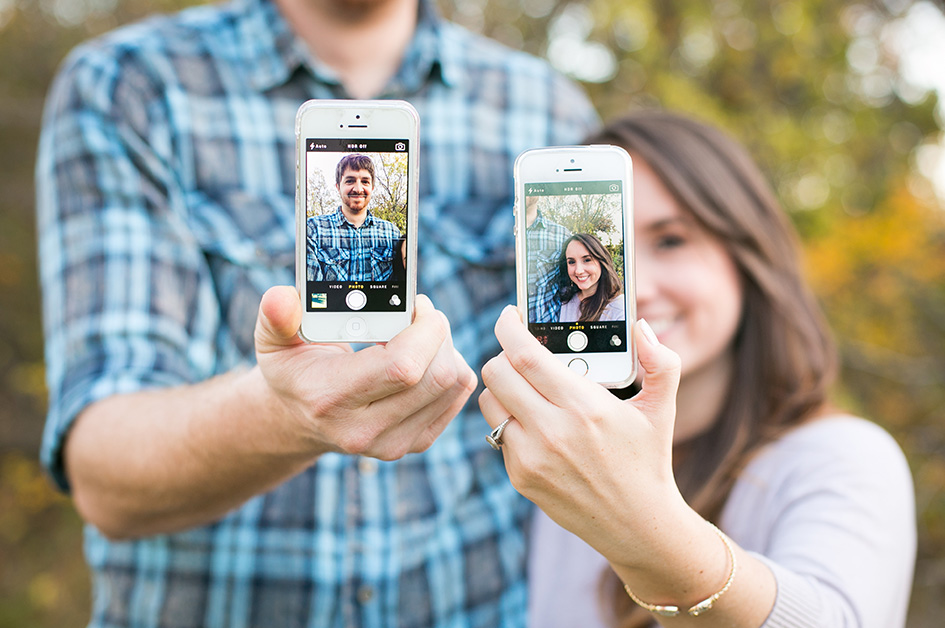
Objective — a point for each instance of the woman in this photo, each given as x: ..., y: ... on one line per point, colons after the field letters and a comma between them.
x: 732, y: 425
x: 592, y: 289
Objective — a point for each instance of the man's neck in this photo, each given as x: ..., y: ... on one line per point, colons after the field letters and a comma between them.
x: 531, y: 215
x: 363, y: 41
x: 355, y: 219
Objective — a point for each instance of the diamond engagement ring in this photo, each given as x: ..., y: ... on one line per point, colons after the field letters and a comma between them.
x: 495, y: 437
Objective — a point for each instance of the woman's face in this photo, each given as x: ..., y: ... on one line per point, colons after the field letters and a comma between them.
x: 583, y: 269
x: 688, y: 286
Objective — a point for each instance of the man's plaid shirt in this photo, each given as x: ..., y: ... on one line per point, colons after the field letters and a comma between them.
x: 336, y: 250
x: 166, y: 189
x: 543, y: 249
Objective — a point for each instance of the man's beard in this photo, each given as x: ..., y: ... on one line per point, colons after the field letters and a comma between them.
x: 360, y: 200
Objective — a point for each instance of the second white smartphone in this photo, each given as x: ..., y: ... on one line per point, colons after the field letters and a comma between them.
x: 356, y: 217
x: 574, y: 257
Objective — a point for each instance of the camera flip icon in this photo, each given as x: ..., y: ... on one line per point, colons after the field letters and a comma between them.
x: 400, y: 146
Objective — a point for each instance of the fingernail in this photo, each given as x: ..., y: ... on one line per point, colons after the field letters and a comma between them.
x: 648, y: 333
x: 511, y: 308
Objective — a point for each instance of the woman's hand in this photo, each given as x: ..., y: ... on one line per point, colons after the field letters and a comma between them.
x: 598, y: 466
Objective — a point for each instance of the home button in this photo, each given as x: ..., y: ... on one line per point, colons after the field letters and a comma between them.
x: 578, y: 365
x: 356, y: 327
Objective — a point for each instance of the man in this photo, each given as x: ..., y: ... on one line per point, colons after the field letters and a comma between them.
x: 544, y: 239
x: 231, y: 474
x: 367, y: 240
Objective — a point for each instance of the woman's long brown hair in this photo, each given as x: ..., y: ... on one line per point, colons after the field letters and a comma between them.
x: 608, y: 285
x: 785, y: 360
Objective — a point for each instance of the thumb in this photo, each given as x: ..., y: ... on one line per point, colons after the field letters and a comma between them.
x: 280, y: 315
x: 661, y: 368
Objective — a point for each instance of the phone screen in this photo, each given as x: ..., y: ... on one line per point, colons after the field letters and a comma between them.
x: 575, y: 265
x: 356, y: 193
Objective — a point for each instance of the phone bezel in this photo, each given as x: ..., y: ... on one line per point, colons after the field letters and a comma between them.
x: 356, y: 119
x: 578, y: 164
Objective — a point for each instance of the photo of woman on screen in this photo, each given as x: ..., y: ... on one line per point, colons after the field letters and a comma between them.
x: 591, y: 289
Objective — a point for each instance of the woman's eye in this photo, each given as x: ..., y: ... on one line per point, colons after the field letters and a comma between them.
x: 670, y: 241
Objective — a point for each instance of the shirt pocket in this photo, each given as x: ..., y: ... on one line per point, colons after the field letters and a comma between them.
x: 382, y: 262
x: 248, y: 242
x: 335, y: 263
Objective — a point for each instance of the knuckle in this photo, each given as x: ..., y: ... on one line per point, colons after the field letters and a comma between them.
x: 405, y: 369
x: 325, y: 405
x: 392, y: 451
x: 443, y: 375
x: 356, y: 442
x: 525, y: 361
x: 490, y: 369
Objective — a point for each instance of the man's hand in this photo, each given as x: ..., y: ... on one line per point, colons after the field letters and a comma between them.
x: 384, y: 401
x: 162, y: 460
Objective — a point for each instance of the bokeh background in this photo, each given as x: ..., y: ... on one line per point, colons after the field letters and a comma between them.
x: 834, y: 97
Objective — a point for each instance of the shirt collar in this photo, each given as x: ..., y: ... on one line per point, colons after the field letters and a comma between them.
x: 341, y: 219
x: 539, y: 222
x: 271, y: 52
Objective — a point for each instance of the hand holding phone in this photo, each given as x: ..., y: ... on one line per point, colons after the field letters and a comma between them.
x: 356, y: 201
x: 574, y: 257
x: 383, y: 401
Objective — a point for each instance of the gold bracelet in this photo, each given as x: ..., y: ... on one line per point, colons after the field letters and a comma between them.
x: 671, y: 610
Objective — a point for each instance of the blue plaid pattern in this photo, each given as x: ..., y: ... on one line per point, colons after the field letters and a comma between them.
x: 166, y: 184
x: 544, y: 239
x: 339, y: 251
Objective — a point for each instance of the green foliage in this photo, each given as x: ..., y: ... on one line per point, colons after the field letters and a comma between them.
x: 597, y: 214
x: 813, y: 89
x: 389, y: 201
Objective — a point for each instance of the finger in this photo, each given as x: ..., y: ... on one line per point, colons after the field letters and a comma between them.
x: 493, y: 411
x: 534, y: 362
x: 513, y: 391
x: 278, y: 320
x: 444, y: 387
x: 379, y: 371
x: 496, y: 414
x: 661, y: 367
x: 464, y: 389
x: 420, y: 426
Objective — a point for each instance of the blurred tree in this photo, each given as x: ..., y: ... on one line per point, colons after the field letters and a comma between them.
x: 390, y: 188
x: 815, y: 89
x: 586, y: 213
x: 322, y: 197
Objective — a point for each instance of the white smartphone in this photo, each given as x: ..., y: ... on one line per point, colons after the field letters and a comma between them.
x: 356, y: 218
x: 574, y: 257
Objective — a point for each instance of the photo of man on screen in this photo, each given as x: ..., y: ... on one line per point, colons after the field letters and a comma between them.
x: 351, y: 243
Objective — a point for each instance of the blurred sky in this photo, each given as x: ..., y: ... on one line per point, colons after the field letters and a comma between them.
x: 919, y: 39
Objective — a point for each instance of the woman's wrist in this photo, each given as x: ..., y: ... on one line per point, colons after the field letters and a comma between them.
x: 671, y: 610
x: 682, y: 561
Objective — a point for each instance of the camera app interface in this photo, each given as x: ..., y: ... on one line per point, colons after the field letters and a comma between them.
x: 575, y: 274
x: 356, y: 225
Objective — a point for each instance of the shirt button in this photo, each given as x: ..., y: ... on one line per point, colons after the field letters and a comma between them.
x: 365, y: 595
x: 367, y: 466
